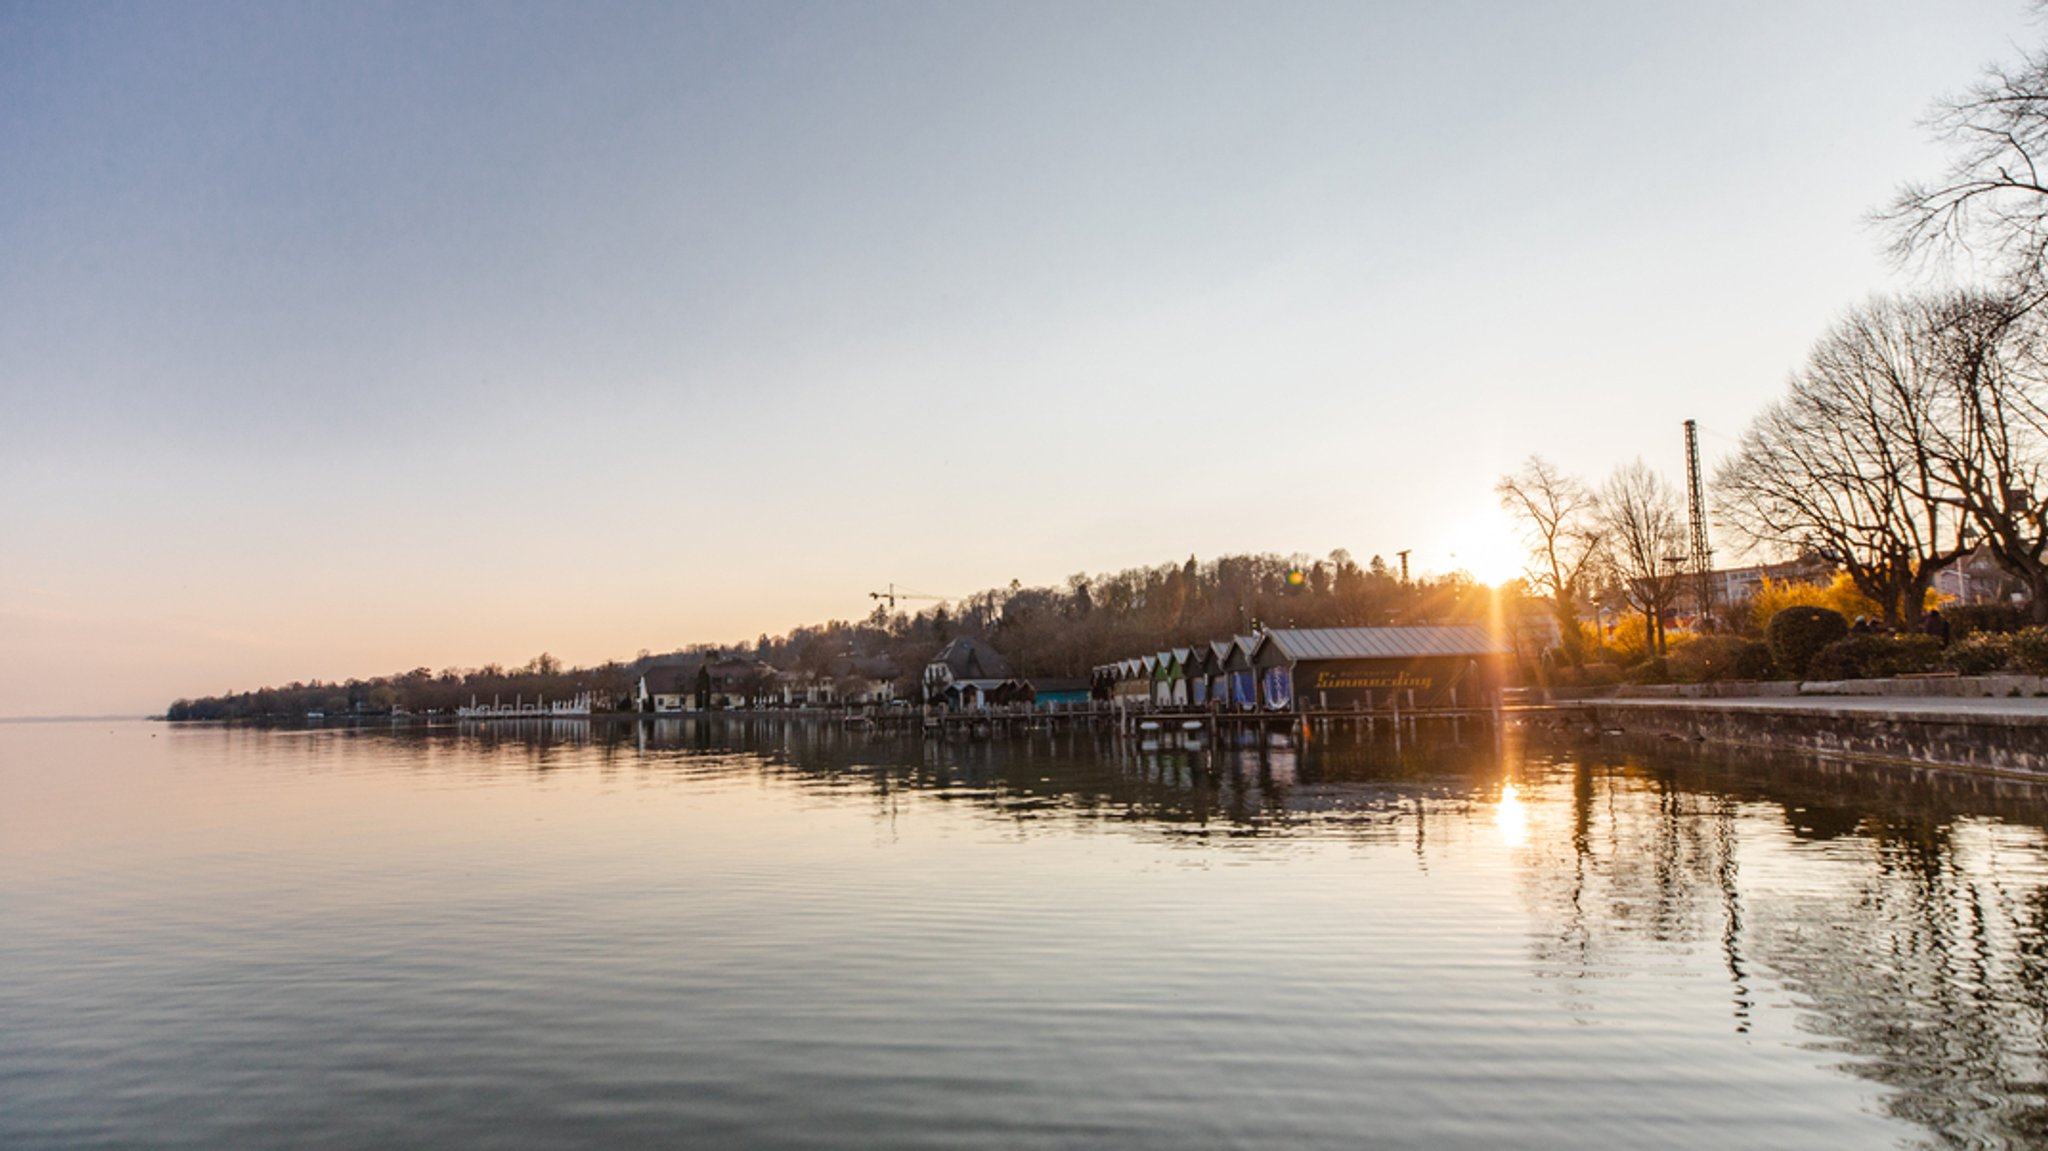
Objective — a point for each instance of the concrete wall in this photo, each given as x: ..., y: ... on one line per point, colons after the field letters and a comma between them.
x: 2005, y: 742
x: 1916, y: 687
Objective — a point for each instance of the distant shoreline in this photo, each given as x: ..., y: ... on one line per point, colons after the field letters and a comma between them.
x: 71, y: 718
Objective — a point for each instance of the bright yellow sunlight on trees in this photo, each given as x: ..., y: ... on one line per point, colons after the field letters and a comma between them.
x: 1773, y: 596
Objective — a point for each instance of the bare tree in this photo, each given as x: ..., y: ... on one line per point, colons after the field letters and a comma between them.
x: 1560, y: 525
x: 1993, y: 200
x: 1992, y: 439
x: 1847, y: 466
x: 1640, y: 520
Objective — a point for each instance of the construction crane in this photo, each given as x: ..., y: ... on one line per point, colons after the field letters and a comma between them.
x: 892, y: 595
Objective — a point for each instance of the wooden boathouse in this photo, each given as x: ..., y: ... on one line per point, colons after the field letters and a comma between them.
x: 1406, y: 669
x: 1284, y: 679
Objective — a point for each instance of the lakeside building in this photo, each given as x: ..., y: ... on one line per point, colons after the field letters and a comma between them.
x: 575, y: 707
x: 1243, y: 679
x: 1058, y: 691
x: 1974, y: 578
x: 968, y: 674
x: 866, y: 680
x: 1978, y: 578
x: 1733, y: 586
x: 847, y: 680
x: 1322, y: 669
x: 1200, y: 667
x: 1363, y: 668
x: 699, y: 684
x: 1125, y: 681
x: 668, y: 688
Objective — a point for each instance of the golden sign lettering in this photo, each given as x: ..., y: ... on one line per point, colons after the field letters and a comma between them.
x: 1338, y: 679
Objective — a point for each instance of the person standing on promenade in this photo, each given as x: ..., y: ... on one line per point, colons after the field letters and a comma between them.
x: 1936, y: 625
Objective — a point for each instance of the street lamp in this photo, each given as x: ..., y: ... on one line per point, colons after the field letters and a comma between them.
x: 1675, y: 565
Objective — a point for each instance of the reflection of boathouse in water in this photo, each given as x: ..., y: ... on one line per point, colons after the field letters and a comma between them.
x: 1320, y: 669
x: 540, y: 708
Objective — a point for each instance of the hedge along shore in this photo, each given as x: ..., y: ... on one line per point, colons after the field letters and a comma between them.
x: 1991, y: 723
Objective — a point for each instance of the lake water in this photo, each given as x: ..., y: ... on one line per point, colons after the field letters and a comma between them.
x: 767, y: 935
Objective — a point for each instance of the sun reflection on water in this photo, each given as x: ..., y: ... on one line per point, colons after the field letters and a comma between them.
x: 1511, y: 817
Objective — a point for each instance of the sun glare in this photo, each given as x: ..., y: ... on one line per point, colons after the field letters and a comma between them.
x: 1486, y: 547
x: 1510, y: 817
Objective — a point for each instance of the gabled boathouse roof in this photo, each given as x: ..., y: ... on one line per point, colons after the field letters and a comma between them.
x: 1311, y: 643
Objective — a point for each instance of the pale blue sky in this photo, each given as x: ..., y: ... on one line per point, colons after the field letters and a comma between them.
x: 338, y: 339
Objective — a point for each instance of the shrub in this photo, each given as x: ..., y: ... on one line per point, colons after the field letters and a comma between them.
x: 1875, y: 657
x: 1843, y: 659
x: 1797, y: 633
x: 2030, y: 650
x: 1624, y: 642
x: 1600, y: 675
x: 1753, y: 661
x: 1972, y: 618
x: 1655, y: 669
x: 1979, y: 653
x: 1713, y: 657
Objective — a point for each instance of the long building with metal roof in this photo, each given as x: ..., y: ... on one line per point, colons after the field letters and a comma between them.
x: 1323, y: 669
x: 1314, y: 643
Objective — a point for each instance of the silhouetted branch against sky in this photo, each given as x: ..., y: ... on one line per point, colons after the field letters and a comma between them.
x: 1989, y: 209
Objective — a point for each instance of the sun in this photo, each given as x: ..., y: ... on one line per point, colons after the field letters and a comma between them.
x: 1484, y: 545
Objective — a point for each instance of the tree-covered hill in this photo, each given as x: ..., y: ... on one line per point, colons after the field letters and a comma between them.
x: 1045, y: 631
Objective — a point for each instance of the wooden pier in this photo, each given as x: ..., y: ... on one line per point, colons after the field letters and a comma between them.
x: 983, y: 723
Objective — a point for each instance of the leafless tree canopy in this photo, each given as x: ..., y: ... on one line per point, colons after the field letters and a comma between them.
x: 1992, y: 439
x: 1559, y: 518
x: 1643, y: 530
x: 1992, y: 203
x: 1911, y: 432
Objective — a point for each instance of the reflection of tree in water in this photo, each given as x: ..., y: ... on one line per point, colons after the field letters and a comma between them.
x: 1348, y: 784
x: 1910, y: 918
x: 1646, y: 870
x: 1909, y: 914
x: 1927, y: 969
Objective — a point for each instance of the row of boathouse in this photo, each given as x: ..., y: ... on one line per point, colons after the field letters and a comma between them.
x: 1342, y: 669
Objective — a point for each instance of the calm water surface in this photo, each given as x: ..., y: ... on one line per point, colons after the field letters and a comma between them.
x: 781, y: 936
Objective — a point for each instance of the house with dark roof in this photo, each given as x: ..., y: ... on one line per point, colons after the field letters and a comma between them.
x: 967, y: 674
x: 742, y: 683
x: 669, y: 687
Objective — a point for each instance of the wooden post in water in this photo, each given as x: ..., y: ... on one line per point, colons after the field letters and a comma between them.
x: 1499, y: 724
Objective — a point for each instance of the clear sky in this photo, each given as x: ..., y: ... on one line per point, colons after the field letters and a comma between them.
x: 338, y: 339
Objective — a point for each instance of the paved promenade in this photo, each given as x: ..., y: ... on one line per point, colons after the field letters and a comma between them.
x: 1924, y: 707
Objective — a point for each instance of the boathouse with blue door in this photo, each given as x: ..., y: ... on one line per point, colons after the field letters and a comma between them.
x: 1196, y: 671
x: 1237, y: 667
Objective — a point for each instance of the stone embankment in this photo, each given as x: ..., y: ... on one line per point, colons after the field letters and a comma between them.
x: 1993, y: 723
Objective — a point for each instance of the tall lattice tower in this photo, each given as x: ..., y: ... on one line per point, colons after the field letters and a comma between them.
x: 1696, y: 510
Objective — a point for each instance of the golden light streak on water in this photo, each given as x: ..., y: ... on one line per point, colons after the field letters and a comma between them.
x: 1511, y: 817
